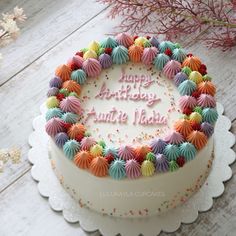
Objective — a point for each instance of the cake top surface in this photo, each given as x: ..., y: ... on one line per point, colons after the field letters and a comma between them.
x: 131, y: 106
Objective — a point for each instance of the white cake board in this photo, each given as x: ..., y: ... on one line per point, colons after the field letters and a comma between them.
x: 170, y: 221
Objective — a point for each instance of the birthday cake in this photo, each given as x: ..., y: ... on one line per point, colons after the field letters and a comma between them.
x: 131, y: 123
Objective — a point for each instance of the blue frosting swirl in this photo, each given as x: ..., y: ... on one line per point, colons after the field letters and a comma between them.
x: 179, y: 54
x: 53, y: 112
x: 188, y: 151
x: 60, y: 139
x: 55, y: 82
x: 187, y: 87
x: 165, y: 45
x: 70, y: 148
x: 158, y: 145
x: 171, y: 151
x: 162, y: 164
x: 70, y: 117
x: 109, y: 43
x: 120, y: 55
x: 160, y: 61
x: 110, y: 150
x: 79, y: 76
x: 179, y: 78
x: 210, y: 115
x: 117, y: 169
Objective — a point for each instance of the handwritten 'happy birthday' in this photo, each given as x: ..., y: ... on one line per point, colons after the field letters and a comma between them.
x: 130, y: 90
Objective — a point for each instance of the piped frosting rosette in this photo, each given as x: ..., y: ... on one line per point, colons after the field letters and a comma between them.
x: 189, y: 135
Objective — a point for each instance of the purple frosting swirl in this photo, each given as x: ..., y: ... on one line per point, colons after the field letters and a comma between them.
x: 162, y: 164
x: 207, y: 129
x: 55, y: 82
x: 53, y: 91
x: 105, y: 60
x: 179, y: 78
x: 60, y: 139
x: 158, y: 145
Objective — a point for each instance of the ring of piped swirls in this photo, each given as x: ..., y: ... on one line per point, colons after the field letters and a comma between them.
x: 190, y: 133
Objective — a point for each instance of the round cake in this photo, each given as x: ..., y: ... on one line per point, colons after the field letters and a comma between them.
x: 131, y: 123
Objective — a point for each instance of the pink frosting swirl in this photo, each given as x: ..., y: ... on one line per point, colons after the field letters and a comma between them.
x: 126, y: 152
x: 206, y: 100
x: 174, y: 138
x: 148, y: 55
x: 54, y: 126
x: 71, y: 104
x: 171, y: 68
x: 187, y: 102
x: 133, y: 169
x: 87, y: 143
x: 78, y: 60
x: 92, y: 67
x: 124, y: 39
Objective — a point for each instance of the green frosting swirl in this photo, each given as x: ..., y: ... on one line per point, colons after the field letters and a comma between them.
x: 64, y: 91
x: 171, y: 151
x: 87, y: 133
x: 101, y: 51
x: 147, y: 44
x: 102, y: 143
x: 70, y: 148
x: 117, y: 169
x: 187, y: 87
x: 173, y: 166
x: 210, y: 115
x: 179, y: 54
x: 198, y: 110
x: 186, y: 70
x: 160, y: 60
x: 79, y: 76
x: 74, y: 94
x: 109, y: 43
x: 151, y: 157
x: 206, y: 78
x: 120, y: 55
x: 53, y: 112
x: 70, y: 117
x: 188, y: 151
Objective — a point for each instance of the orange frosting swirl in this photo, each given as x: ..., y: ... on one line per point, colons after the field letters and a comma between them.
x: 142, y: 151
x: 192, y: 62
x: 71, y: 86
x: 198, y: 139
x: 99, y: 166
x: 135, y: 53
x: 183, y: 126
x: 63, y: 71
x: 76, y: 131
x: 83, y: 159
x: 207, y: 87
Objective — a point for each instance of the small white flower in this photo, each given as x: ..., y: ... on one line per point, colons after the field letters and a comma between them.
x: 19, y: 14
x: 10, y: 26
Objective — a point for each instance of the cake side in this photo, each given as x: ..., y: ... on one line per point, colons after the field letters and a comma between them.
x: 132, y: 198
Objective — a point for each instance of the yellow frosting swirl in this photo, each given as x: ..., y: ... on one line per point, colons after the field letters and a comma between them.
x: 196, y: 77
x: 52, y: 102
x: 96, y: 150
x: 140, y: 41
x: 147, y: 168
x: 195, y: 116
x: 94, y: 46
x: 90, y: 54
